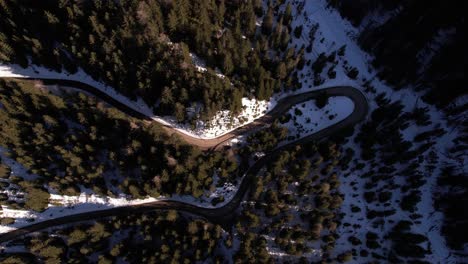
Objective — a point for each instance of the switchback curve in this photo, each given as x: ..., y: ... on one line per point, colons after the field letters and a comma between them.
x: 221, y: 215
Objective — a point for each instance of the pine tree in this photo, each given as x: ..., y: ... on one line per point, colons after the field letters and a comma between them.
x: 281, y: 71
x: 171, y: 215
x: 6, y: 52
x: 276, y: 42
x: 236, y: 104
x: 172, y: 21
x: 192, y: 228
x: 179, y: 112
x: 97, y: 232
x: 76, y: 236
x: 166, y: 96
x: 221, y: 12
x: 250, y: 20
x: 341, y: 51
x: 228, y: 66
x: 4, y: 6
x: 258, y: 7
x: 203, y: 31
x: 267, y: 24
x: 184, y: 96
x: 51, y: 18
x: 287, y: 15
x: 285, y: 38
x: 261, y: 90
x: 183, y: 7
x: 298, y: 31
x: 154, y: 18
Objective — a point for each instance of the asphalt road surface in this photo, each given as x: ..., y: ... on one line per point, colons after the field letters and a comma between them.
x: 222, y: 215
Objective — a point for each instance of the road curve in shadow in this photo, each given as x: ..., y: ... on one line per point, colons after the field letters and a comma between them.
x: 222, y: 215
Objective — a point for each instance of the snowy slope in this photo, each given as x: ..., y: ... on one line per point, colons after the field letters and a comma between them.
x: 333, y: 33
x: 307, y: 118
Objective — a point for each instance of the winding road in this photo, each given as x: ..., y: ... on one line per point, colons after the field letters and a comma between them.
x: 222, y: 215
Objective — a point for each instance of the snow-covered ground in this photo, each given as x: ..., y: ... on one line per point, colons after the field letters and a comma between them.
x: 307, y: 118
x: 200, y: 65
x: 333, y: 33
x: 226, y: 191
x: 223, y: 122
x: 277, y: 253
x: 62, y: 205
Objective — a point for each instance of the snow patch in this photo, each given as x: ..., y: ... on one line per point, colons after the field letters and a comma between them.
x: 310, y: 118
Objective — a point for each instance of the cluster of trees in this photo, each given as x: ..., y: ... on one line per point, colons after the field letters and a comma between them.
x: 74, y: 141
x: 4, y: 170
x: 319, y: 65
x: 296, y: 201
x: 405, y: 243
x: 265, y: 140
x: 252, y: 249
x: 383, y: 133
x: 451, y: 199
x: 148, y: 55
x: 158, y: 237
x: 36, y: 198
x: 418, y: 44
x: 452, y: 193
x: 391, y: 155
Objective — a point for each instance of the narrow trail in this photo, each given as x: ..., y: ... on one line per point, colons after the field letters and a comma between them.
x: 222, y: 215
